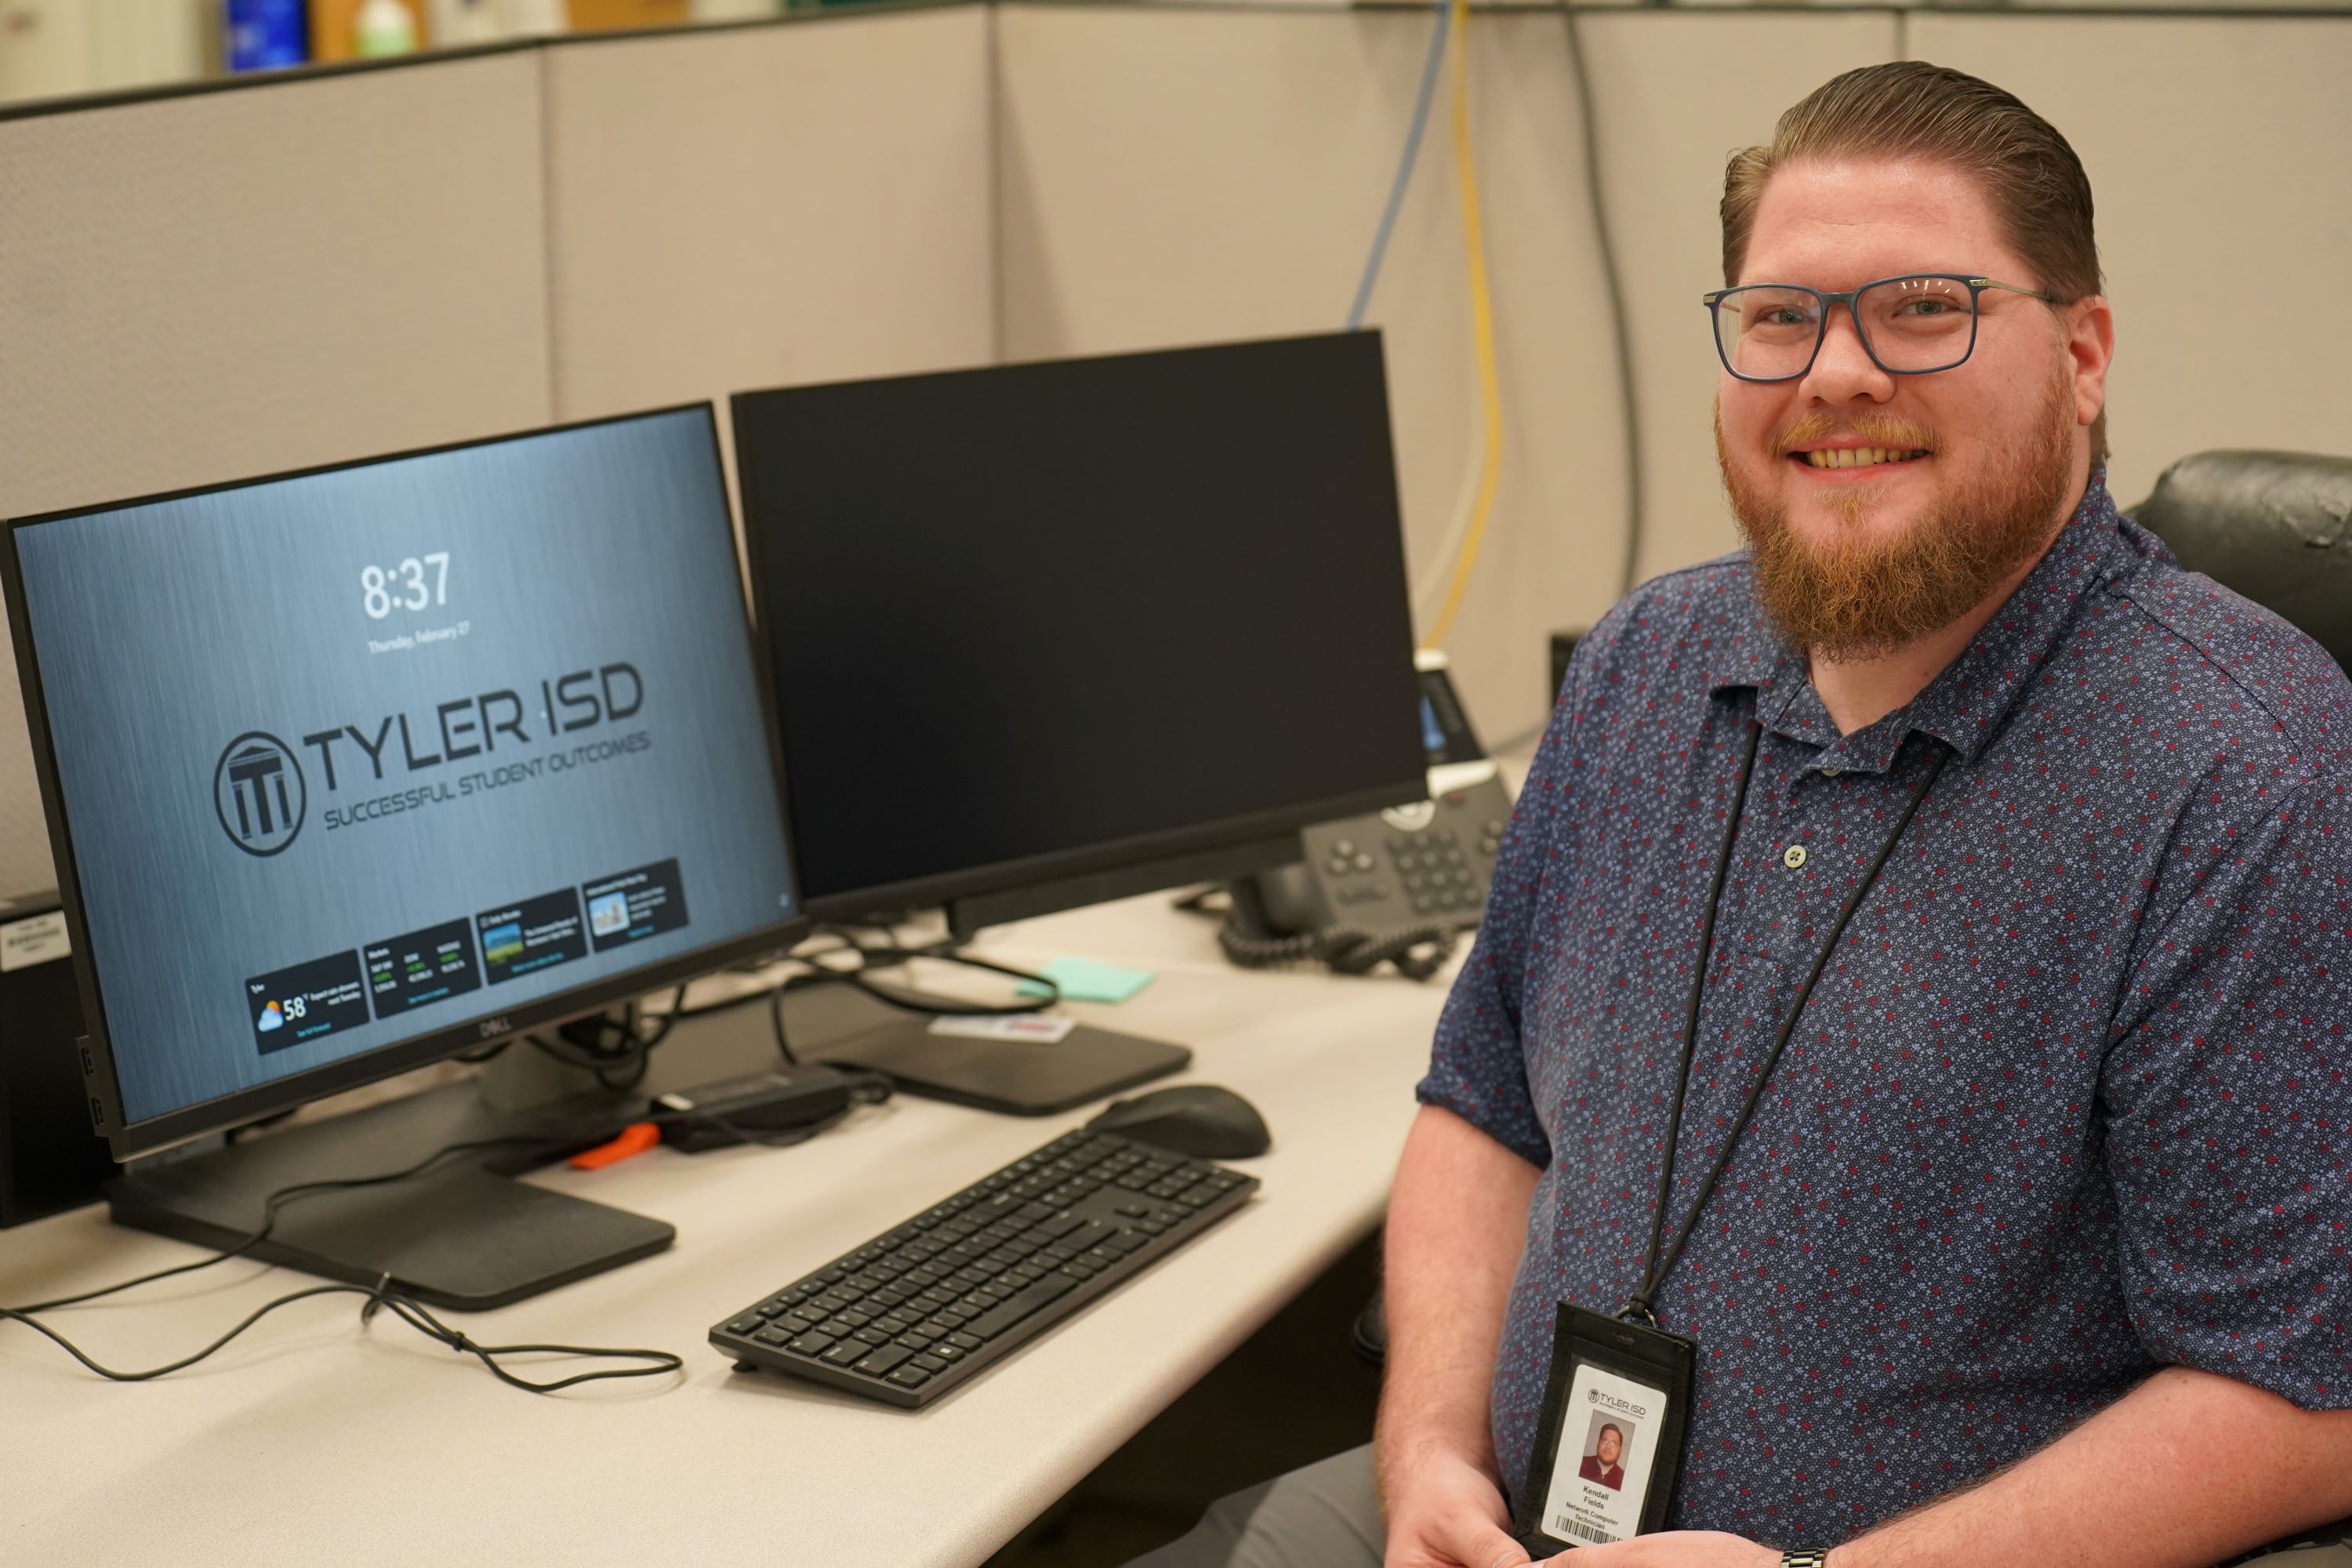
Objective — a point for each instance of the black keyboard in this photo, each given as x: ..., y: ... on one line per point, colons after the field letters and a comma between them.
x: 925, y: 1307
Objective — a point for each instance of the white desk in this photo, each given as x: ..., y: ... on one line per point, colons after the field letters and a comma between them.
x: 313, y: 1441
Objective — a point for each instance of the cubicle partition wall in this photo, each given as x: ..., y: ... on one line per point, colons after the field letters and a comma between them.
x: 754, y: 206
x: 1172, y: 174
x: 2219, y: 149
x: 215, y: 284
x: 323, y: 266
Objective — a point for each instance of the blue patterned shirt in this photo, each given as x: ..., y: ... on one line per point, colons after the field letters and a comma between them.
x: 2069, y: 1101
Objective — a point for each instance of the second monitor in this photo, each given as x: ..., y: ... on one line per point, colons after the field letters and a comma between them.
x: 1045, y: 635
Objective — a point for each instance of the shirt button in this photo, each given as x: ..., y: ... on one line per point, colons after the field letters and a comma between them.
x: 1832, y: 773
x: 1793, y: 857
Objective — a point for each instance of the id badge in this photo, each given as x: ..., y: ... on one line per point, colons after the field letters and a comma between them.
x: 1609, y: 1444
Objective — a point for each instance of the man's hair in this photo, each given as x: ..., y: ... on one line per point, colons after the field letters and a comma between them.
x: 1608, y: 1427
x: 1909, y: 108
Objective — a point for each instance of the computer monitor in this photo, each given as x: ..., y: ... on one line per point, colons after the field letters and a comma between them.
x: 1044, y: 634
x: 354, y: 769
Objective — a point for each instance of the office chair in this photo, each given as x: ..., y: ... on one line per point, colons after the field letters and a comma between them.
x: 2275, y: 526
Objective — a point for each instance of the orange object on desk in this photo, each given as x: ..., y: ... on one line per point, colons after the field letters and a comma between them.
x: 634, y: 1140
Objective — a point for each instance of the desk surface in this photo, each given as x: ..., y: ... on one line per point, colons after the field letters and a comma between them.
x: 314, y: 1436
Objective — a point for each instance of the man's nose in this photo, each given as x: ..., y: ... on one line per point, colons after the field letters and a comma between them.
x: 1844, y: 369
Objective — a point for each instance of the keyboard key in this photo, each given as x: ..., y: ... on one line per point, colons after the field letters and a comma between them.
x: 929, y: 1363
x: 871, y: 1336
x: 772, y: 1335
x: 998, y: 1319
x: 748, y: 1323
x: 881, y: 1362
x: 911, y: 1377
x: 811, y: 1344
x: 1128, y: 1240
x: 964, y: 1342
x: 844, y: 1353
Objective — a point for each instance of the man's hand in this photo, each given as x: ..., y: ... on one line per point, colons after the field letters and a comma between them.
x: 1673, y: 1549
x: 1448, y: 1513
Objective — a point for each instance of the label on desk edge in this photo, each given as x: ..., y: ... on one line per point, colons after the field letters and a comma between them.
x: 35, y: 941
x: 1034, y: 1028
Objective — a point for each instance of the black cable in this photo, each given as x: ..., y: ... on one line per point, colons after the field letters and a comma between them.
x: 776, y: 1021
x: 1417, y: 953
x: 890, y: 953
x: 1616, y: 290
x: 380, y: 1295
x: 269, y: 1208
x: 865, y: 1088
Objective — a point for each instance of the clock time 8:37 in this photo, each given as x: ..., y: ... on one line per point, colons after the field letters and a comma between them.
x: 403, y: 587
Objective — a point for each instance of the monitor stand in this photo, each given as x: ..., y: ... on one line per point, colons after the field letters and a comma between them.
x: 465, y: 1235
x: 841, y: 1024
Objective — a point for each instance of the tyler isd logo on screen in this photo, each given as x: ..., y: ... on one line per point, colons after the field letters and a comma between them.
x: 258, y: 792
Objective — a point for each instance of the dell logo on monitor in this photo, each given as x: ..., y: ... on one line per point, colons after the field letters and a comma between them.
x: 259, y: 795
x: 494, y: 1026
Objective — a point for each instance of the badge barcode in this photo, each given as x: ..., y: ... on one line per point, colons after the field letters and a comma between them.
x: 1583, y: 1532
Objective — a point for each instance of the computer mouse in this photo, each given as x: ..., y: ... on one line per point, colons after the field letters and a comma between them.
x: 1197, y: 1119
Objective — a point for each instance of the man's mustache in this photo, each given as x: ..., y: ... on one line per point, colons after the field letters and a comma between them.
x: 1871, y: 429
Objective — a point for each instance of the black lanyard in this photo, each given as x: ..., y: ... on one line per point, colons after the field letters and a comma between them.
x: 1653, y: 1271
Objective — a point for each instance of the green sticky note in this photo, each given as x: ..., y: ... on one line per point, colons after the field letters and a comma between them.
x: 1084, y: 980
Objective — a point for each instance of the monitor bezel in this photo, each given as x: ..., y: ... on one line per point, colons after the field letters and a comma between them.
x: 945, y: 887
x: 129, y: 1139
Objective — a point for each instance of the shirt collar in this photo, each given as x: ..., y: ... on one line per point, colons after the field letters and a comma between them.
x: 1965, y: 704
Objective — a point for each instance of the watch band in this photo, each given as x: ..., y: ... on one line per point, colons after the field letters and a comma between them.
x: 1805, y: 1559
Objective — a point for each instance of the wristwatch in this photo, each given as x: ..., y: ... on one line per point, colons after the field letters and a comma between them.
x: 1805, y: 1559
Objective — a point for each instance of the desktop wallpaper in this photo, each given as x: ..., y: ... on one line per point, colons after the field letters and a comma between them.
x: 363, y: 756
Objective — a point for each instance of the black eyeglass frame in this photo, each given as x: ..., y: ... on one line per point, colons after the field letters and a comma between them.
x: 1975, y: 286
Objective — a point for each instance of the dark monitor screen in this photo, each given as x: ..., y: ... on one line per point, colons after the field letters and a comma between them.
x: 357, y: 767
x: 1035, y: 620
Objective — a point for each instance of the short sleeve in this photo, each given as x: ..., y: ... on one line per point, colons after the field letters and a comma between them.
x: 2228, y: 1102
x: 1478, y: 1067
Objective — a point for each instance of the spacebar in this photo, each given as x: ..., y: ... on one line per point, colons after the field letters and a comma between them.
x: 1013, y: 1308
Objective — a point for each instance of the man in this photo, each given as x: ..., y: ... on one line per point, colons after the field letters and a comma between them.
x: 2035, y: 854
x: 1600, y: 1464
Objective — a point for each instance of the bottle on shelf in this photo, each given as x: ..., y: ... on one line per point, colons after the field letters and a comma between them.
x: 383, y: 28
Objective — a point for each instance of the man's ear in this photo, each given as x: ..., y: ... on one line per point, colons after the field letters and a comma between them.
x: 2090, y: 327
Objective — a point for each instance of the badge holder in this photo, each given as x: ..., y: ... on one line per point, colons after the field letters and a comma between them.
x: 1609, y: 1443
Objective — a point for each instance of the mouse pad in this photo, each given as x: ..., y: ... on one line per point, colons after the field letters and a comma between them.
x: 842, y: 1025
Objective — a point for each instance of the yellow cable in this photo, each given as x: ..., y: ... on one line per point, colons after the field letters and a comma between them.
x: 1481, y: 321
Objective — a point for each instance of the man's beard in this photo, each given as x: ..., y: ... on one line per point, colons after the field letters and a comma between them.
x: 1858, y: 598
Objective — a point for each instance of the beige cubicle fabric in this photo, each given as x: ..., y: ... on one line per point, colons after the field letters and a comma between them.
x: 1173, y: 175
x: 2216, y: 150
x: 749, y: 207
x: 200, y: 288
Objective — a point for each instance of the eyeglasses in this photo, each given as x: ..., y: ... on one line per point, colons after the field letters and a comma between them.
x: 1909, y: 326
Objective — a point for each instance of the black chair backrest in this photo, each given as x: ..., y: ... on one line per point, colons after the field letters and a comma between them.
x: 2275, y: 526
